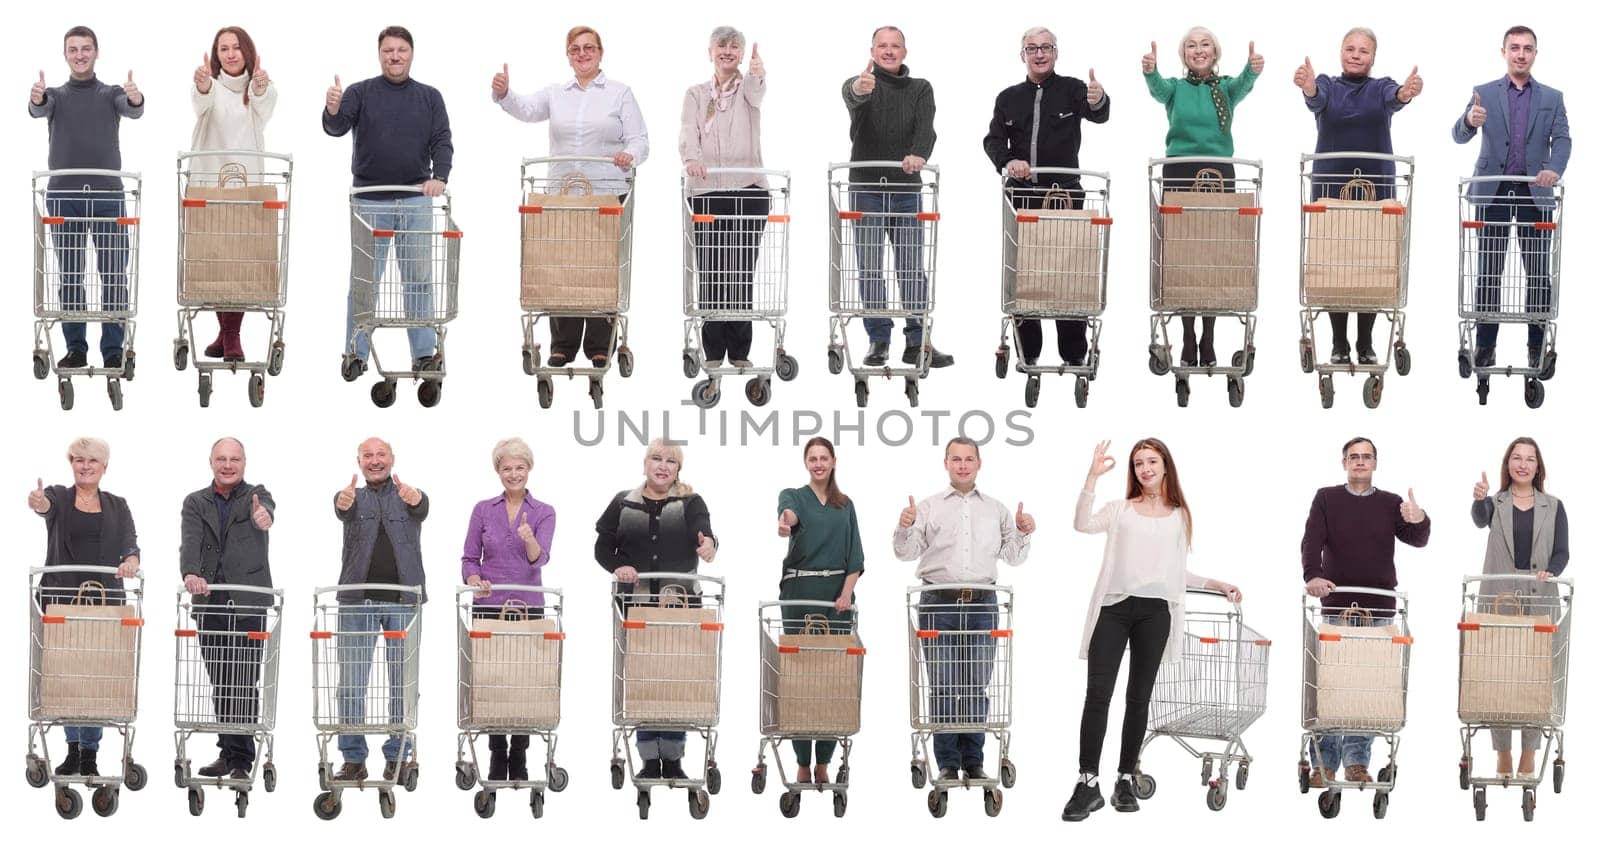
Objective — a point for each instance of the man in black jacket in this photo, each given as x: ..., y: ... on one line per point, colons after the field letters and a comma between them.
x: 1038, y: 123
x: 224, y: 541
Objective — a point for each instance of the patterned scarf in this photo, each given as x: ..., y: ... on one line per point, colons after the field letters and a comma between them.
x: 721, y: 99
x: 1217, y: 100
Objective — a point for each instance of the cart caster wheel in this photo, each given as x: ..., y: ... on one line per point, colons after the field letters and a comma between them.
x: 835, y: 361
x: 624, y: 362
x: 1465, y: 780
x: 1386, y: 775
x: 429, y: 392
x: 1483, y: 391
x: 180, y: 357
x: 919, y: 777
x: 39, y: 776
x: 1529, y: 803
x: 787, y: 367
x: 1245, y: 361
x: 1532, y: 393
x: 841, y: 803
x: 322, y: 777
x: 1402, y: 359
x: 351, y: 368
x: 528, y: 364
x: 1030, y: 394
x: 1080, y: 392
x: 1308, y: 359
x: 993, y: 800
x: 257, y: 390
x: 789, y: 803
x: 128, y: 362
x: 912, y: 392
x: 557, y: 778
x: 114, y: 391
x: 536, y: 804
x: 597, y: 393
x: 1217, y: 797
x: 1160, y: 359
x: 327, y: 806
x: 104, y: 801
x: 843, y: 776
x: 1380, y: 805
x: 1144, y: 786
x: 242, y: 802
x: 64, y: 388
x: 938, y: 803
x: 1235, y: 392
x: 644, y: 805
x: 68, y: 804
x: 269, y: 777
x: 1328, y: 804
x: 134, y: 776
x: 691, y: 365
x: 1549, y: 369
x: 1480, y: 803
x: 861, y: 394
x: 1205, y: 770
x: 1558, y: 775
x: 713, y: 779
x: 408, y: 777
x: 1182, y: 388
x: 706, y: 394
x: 466, y: 776
x: 1002, y: 362
x: 546, y: 393
x: 386, y: 804
x: 1325, y: 388
x: 41, y: 365
x: 1305, y: 777
x: 758, y: 779
x: 1372, y: 391
x: 616, y: 776
x: 699, y: 804
x: 758, y: 391
x: 197, y: 801
x: 1241, y: 776
x: 1008, y: 773
x: 1464, y: 364
x: 483, y: 803
x: 383, y: 394
x: 275, y: 359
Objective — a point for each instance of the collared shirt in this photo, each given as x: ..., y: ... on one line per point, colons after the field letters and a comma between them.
x: 1370, y: 489
x: 959, y: 537
x: 600, y: 120
x: 1521, y: 101
x: 223, y: 500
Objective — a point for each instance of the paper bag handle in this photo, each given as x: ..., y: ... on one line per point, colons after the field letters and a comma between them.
x: 1508, y: 599
x: 1359, y: 188
x: 514, y: 610
x: 232, y: 172
x: 577, y: 184
x: 1356, y: 613
x: 90, y: 586
x: 1209, y: 179
x: 673, y: 597
x: 816, y: 625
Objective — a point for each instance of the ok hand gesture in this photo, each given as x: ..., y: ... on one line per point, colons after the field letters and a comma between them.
x: 1102, y: 463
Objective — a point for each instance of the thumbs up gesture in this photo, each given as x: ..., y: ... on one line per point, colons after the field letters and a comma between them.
x: 36, y: 499
x: 1476, y: 114
x: 259, y: 514
x: 706, y: 548
x: 1481, y: 489
x: 1305, y: 79
x: 408, y: 495
x: 524, y: 531
x: 1097, y: 92
x: 865, y: 83
x: 786, y: 523
x: 335, y: 96
x: 1148, y: 63
x: 132, y: 90
x: 1410, y: 512
x: 202, y: 75
x: 758, y: 68
x: 501, y: 86
x: 37, y: 94
x: 908, y: 515
x: 259, y: 80
x: 1256, y: 60
x: 1410, y: 88
x: 347, y: 496
x: 1024, y: 521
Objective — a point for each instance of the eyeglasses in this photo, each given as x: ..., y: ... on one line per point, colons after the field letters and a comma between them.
x: 1360, y: 457
x: 1036, y: 49
x: 582, y: 48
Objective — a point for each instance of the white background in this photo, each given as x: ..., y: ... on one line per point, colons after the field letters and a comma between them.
x: 1250, y: 472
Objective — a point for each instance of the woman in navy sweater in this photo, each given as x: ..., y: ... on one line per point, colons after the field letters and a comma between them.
x: 1353, y: 112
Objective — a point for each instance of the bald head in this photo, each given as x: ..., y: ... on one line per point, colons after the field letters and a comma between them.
x: 227, y: 463
x: 376, y: 459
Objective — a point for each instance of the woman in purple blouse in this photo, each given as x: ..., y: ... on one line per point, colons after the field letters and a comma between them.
x: 508, y: 542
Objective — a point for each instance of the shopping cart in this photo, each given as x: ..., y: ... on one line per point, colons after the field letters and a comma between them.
x: 83, y: 671
x: 1515, y: 644
x: 960, y: 644
x: 508, y: 661
x: 1355, y: 256
x: 95, y: 226
x: 666, y: 662
x: 1214, y: 692
x: 1356, y: 666
x: 1510, y: 273
x: 810, y: 691
x: 364, y: 681
x: 736, y: 268
x: 1205, y: 262
x: 577, y: 263
x: 1054, y: 248
x: 860, y: 285
x: 233, y: 255
x: 226, y: 682
x: 405, y: 268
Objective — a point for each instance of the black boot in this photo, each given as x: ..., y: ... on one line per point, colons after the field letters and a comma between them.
x: 497, y: 765
x: 86, y: 763
x: 672, y: 769
x: 69, y: 765
x: 651, y: 769
x: 517, y: 763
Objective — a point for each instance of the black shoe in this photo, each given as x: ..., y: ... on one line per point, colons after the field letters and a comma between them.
x: 1122, y: 798
x: 877, y: 354
x: 949, y: 775
x: 69, y: 765
x: 558, y: 360
x: 1340, y: 357
x: 241, y: 773
x: 497, y: 765
x: 87, y: 766
x: 1535, y: 355
x: 74, y: 359
x: 215, y: 769
x: 1085, y: 799
x: 517, y: 764
x: 651, y: 770
x: 1367, y: 356
x: 1484, y: 358
x: 113, y: 361
x: 975, y: 773
x: 390, y: 770
x: 1030, y: 361
x: 1189, y: 357
x: 351, y: 772
x: 1208, y: 354
x: 913, y: 353
x: 427, y: 363
x: 672, y: 769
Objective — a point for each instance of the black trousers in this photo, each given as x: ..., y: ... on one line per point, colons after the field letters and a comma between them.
x: 233, y: 662
x: 726, y: 252
x: 1072, y: 336
x: 1139, y: 625
x: 1172, y: 175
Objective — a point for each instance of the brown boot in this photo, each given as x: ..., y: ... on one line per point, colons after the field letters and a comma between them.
x: 1320, y: 777
x: 1356, y: 773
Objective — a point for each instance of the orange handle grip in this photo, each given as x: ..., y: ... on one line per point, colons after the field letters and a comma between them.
x: 855, y: 651
x: 275, y: 205
x: 1027, y: 219
x: 1394, y: 210
x: 184, y: 633
x: 478, y: 633
x: 850, y: 216
x: 610, y: 210
x: 1545, y: 226
x: 383, y: 233
x: 999, y: 633
x: 633, y: 624
x: 927, y: 633
x: 1251, y: 211
x: 318, y: 636
x: 555, y: 636
x: 193, y: 203
x: 394, y: 634
x: 1170, y: 210
x: 710, y: 627
x: 1100, y: 222
x: 788, y: 649
x: 52, y: 220
x: 777, y: 219
x: 927, y: 216
x: 703, y: 219
x: 530, y: 210
x: 452, y: 233
x: 258, y: 636
x: 1472, y: 224
x: 1314, y: 208
x: 133, y: 621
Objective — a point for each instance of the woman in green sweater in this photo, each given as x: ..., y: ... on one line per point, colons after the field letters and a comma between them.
x: 1200, y: 107
x: 825, y: 559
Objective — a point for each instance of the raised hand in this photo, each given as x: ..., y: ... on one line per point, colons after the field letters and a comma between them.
x: 259, y: 80
x: 37, y: 94
x: 1097, y: 92
x: 259, y: 514
x: 202, y: 75
x: 1148, y: 63
x: 1476, y: 114
x: 1410, y: 88
x: 1256, y: 60
x: 408, y: 495
x: 1102, y: 463
x: 908, y: 515
x: 1410, y: 512
x: 758, y: 68
x: 786, y: 523
x: 1024, y: 521
x: 1481, y: 489
x: 1319, y: 587
x: 501, y: 86
x: 347, y: 496
x: 1305, y: 79
x: 524, y: 531
x: 132, y: 90
x: 335, y: 96
x: 865, y: 83
x: 36, y: 499
x: 706, y: 549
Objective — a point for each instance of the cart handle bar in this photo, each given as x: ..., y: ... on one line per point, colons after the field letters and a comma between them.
x: 559, y: 160
x: 1352, y: 154
x: 100, y: 569
x: 1363, y: 589
x: 771, y: 219
x: 848, y: 651
x: 801, y: 604
x: 755, y: 171
x: 357, y: 190
x: 956, y: 586
x: 1541, y: 226
x: 1525, y: 180
x: 133, y: 175
x: 201, y: 202
x: 507, y: 586
x: 1103, y: 175
x: 1471, y: 578
x: 601, y: 210
x: 878, y: 163
x: 676, y: 576
x: 1387, y: 209
x: 1196, y: 160
x: 1244, y: 211
x: 242, y: 589
x: 371, y: 586
x: 287, y: 157
x: 1259, y: 642
x: 390, y: 634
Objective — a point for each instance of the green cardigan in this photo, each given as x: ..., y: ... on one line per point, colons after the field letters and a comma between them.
x: 1192, y: 128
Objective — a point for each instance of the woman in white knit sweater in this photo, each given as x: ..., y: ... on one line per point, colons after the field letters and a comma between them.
x: 1137, y: 607
x: 233, y: 99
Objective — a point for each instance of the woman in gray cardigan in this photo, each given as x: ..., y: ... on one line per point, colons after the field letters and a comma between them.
x: 1527, y: 535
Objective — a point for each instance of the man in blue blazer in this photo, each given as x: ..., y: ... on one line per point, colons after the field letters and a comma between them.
x: 1524, y: 127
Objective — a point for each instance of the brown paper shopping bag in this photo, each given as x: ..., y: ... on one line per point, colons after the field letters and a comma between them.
x: 513, y: 680
x: 89, y: 659
x: 1353, y: 249
x: 670, y: 662
x: 1507, y: 665
x: 1059, y: 258
x: 230, y: 242
x: 1360, y: 680
x: 814, y: 684
x: 571, y: 249
x: 1208, y: 247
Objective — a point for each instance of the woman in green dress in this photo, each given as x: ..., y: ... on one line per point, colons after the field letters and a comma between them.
x: 824, y: 561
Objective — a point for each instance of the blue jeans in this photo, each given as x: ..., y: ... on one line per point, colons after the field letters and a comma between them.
x: 71, y: 240
x: 1346, y: 749
x: 86, y: 737
x: 359, y: 629
x: 411, y: 218
x: 660, y: 744
x: 959, y: 661
x: 890, y: 214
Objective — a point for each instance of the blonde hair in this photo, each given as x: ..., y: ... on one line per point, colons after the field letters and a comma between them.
x: 572, y: 35
x: 1216, y: 47
x: 512, y: 448
x: 675, y: 452
x: 89, y: 448
x: 725, y: 35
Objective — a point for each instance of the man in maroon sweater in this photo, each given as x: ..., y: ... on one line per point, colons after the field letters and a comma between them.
x: 1349, y: 540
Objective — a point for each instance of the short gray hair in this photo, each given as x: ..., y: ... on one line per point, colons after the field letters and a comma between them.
x: 1038, y: 30
x: 89, y: 448
x: 1362, y: 31
x: 726, y: 35
x: 512, y: 448
x: 1216, y: 47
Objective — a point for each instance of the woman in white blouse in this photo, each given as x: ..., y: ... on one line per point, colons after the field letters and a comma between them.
x: 1137, y: 607
x: 589, y: 115
x: 233, y: 99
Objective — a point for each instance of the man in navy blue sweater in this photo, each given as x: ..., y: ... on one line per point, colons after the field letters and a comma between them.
x: 402, y: 138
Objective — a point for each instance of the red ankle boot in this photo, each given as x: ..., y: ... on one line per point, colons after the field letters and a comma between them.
x: 232, y: 349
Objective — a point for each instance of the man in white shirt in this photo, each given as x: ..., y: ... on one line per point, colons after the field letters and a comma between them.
x: 958, y: 534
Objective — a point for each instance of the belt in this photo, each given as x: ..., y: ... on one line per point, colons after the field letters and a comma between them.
x: 790, y: 574
x: 962, y: 595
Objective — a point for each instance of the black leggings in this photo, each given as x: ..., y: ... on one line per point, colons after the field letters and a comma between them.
x: 1140, y: 625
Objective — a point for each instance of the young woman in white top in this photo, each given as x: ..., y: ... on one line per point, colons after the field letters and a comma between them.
x: 1137, y: 607
x: 233, y: 99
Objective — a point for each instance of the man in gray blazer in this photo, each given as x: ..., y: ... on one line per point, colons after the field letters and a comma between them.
x: 224, y: 541
x: 1524, y: 127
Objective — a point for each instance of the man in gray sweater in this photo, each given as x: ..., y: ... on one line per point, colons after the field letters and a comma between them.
x: 891, y: 118
x: 84, y: 117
